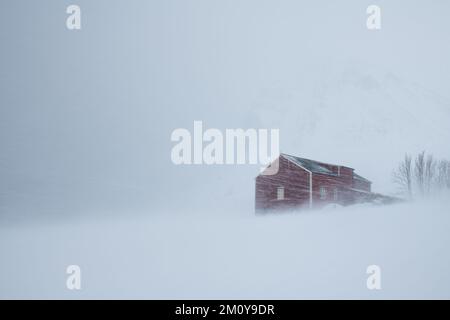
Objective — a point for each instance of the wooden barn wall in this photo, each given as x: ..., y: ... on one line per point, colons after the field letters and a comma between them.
x: 329, y: 183
x: 295, y: 181
x: 361, y: 185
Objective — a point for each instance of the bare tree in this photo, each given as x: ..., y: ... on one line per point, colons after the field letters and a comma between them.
x: 447, y: 178
x: 448, y: 175
x: 430, y: 172
x: 419, y: 172
x: 426, y: 176
x: 403, y: 176
x: 443, y: 173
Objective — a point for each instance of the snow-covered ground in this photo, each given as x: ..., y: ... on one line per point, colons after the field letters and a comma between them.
x: 317, y: 254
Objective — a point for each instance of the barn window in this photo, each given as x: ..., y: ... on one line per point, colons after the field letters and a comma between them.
x: 280, y: 193
x: 335, y: 194
x: 323, y: 193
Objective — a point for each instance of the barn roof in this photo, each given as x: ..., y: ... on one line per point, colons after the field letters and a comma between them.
x: 358, y: 177
x: 317, y: 167
x: 310, y: 165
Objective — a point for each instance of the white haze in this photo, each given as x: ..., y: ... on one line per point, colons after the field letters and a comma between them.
x: 315, y: 255
x: 85, y: 123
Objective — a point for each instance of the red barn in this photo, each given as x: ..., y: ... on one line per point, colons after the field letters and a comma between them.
x: 307, y: 183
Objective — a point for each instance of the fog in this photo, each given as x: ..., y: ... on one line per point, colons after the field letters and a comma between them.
x: 85, y: 124
x: 322, y: 254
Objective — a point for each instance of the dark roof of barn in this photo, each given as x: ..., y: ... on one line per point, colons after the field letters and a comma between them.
x: 358, y: 177
x: 317, y: 167
x: 310, y: 165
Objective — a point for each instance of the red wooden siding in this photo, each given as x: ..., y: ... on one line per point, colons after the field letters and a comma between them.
x: 338, y: 185
x: 294, y: 180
